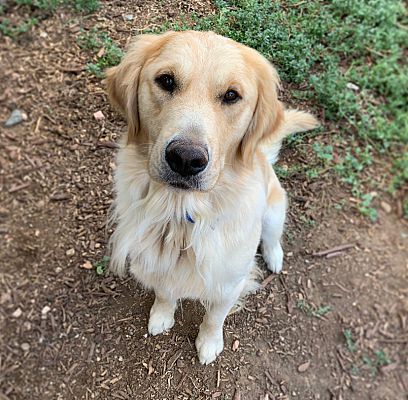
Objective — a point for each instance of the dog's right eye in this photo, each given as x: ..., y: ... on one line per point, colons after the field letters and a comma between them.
x: 166, y: 82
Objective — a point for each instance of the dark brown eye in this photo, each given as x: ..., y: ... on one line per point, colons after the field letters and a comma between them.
x: 166, y: 82
x: 230, y: 97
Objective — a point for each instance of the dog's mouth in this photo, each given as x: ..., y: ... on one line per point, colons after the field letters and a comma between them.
x: 181, y: 185
x: 191, y: 185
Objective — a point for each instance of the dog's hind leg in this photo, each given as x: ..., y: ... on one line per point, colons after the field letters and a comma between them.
x: 162, y: 313
x: 272, y: 229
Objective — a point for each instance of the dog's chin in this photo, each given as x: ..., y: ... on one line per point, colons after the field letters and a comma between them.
x: 184, y: 186
x: 181, y: 184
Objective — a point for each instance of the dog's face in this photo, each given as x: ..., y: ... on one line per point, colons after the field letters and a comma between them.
x: 195, y: 102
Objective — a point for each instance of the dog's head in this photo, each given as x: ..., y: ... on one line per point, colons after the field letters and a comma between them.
x: 195, y: 102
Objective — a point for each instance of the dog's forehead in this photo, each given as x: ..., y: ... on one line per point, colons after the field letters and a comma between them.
x: 202, y: 52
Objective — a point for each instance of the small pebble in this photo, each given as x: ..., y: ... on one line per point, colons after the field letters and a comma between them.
x: 87, y: 265
x: 304, y: 367
x: 99, y: 116
x: 25, y: 346
x: 128, y: 17
x: 17, y: 116
x: 386, y: 207
x: 45, y: 310
x: 17, y: 313
x: 70, y: 252
x: 352, y: 86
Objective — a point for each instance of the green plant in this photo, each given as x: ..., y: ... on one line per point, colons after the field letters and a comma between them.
x: 86, y: 6
x: 351, y: 345
x: 380, y: 359
x: 101, y: 265
x: 323, y: 152
x: 49, y: 5
x: 308, y: 221
x: 377, y: 359
x: 41, y: 9
x: 311, y: 311
x: 350, y: 168
x: 108, y: 53
x: 313, y: 173
x: 8, y: 29
x: 365, y: 207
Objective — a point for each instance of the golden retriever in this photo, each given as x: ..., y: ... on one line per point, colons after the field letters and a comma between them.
x: 195, y: 189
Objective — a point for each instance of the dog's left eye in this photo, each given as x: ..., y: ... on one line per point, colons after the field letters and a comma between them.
x: 166, y: 82
x: 230, y: 97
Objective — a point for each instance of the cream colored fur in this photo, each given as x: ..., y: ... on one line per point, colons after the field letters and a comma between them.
x: 240, y: 198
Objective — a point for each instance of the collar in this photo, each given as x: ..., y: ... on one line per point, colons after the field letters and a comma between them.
x: 189, y: 218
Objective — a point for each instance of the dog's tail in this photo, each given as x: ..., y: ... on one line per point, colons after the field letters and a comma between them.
x: 294, y: 121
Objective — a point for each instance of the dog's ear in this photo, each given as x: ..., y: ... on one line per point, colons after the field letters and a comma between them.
x: 268, y: 114
x: 123, y: 80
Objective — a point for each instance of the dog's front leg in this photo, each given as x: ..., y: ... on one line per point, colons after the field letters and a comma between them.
x: 162, y: 312
x: 210, y: 342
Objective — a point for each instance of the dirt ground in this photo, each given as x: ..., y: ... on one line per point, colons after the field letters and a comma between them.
x: 329, y: 327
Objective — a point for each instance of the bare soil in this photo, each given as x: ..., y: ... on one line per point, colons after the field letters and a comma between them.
x: 68, y: 333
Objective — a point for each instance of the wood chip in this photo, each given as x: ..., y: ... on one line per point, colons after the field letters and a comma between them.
x: 16, y: 188
x: 87, y: 265
x: 389, y: 367
x: 335, y: 254
x: 150, y: 369
x: 237, y: 395
x: 74, y: 68
x: 17, y: 313
x: 333, y: 250
x: 386, y: 207
x: 304, y: 367
x: 172, y: 360
x: 268, y: 280
x: 110, y: 145
x: 99, y: 116
x: 101, y: 52
x: 70, y: 252
x: 60, y: 197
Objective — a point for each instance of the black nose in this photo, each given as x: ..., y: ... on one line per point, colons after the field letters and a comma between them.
x: 187, y: 159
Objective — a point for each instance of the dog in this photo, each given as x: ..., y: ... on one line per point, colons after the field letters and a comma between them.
x: 195, y: 189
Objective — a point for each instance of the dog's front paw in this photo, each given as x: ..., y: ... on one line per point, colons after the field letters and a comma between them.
x: 273, y: 257
x: 209, y: 347
x: 160, y: 322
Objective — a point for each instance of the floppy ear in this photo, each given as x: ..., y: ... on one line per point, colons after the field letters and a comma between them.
x: 123, y: 80
x: 268, y: 113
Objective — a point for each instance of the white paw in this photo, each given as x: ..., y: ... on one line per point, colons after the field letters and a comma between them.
x: 209, y: 347
x: 273, y: 257
x: 160, y: 322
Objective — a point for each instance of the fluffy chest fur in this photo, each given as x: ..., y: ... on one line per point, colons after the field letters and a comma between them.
x: 165, y: 249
